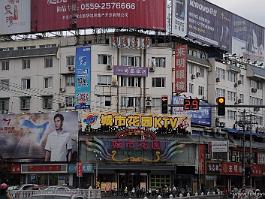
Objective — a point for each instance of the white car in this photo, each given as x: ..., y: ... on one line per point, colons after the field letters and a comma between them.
x: 57, y: 196
x: 57, y: 189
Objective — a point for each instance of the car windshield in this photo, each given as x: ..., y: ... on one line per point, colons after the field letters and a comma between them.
x: 50, y: 197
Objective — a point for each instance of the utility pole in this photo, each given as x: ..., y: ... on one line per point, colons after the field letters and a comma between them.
x: 244, y: 150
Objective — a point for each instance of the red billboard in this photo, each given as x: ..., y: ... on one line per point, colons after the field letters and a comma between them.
x: 64, y: 14
x: 181, y: 68
x: 231, y: 168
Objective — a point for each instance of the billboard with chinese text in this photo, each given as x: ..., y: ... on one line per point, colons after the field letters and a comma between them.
x: 181, y: 68
x: 64, y: 14
x: 14, y: 16
x: 83, y: 78
x: 39, y: 136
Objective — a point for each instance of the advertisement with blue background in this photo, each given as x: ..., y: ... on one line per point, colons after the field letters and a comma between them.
x: 83, y: 78
x: 198, y: 117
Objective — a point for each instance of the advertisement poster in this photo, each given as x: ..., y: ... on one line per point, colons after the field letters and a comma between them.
x: 83, y: 78
x: 14, y: 16
x: 209, y: 24
x: 179, y: 17
x: 50, y: 137
x: 66, y: 14
x: 198, y: 117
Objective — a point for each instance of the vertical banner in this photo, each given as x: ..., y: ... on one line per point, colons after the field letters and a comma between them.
x: 179, y: 17
x: 83, y: 78
x: 202, y: 151
x: 79, y: 169
x: 181, y: 68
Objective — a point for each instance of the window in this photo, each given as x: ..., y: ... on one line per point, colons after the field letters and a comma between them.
x: 104, y: 59
x: 130, y: 101
x: 70, y: 101
x: 159, y: 62
x: 26, y: 47
x: 232, y: 76
x: 105, y: 100
x: 70, y: 80
x: 70, y: 60
x: 4, y: 84
x: 158, y: 82
x: 47, y: 102
x: 241, y: 77
x: 201, y: 71
x: 231, y: 115
x: 191, y: 88
x: 48, y: 62
x: 5, y: 65
x: 4, y: 105
x: 241, y: 97
x: 231, y: 96
x: 201, y: 90
x: 191, y: 69
x: 48, y: 46
x: 25, y: 63
x: 220, y: 73
x: 48, y: 82
x: 25, y: 83
x: 24, y: 103
x: 130, y: 81
x: 156, y: 102
x: 104, y: 79
x: 131, y: 61
x: 220, y: 92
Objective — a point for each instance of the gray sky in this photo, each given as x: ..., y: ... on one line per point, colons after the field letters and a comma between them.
x: 252, y: 10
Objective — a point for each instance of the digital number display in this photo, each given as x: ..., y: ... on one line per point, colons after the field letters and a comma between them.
x: 191, y: 104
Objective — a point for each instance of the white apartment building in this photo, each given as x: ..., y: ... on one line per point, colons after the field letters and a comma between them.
x: 38, y: 76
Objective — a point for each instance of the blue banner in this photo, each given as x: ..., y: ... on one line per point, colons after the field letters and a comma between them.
x: 83, y: 78
x: 198, y: 117
x: 87, y: 168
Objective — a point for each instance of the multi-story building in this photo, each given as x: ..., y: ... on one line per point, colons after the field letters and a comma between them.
x: 38, y: 75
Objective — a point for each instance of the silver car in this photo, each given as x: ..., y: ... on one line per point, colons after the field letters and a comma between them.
x: 57, y: 196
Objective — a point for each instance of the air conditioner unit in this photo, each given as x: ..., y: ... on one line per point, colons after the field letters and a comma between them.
x: 253, y: 90
x: 148, y: 103
x: 198, y: 74
x: 61, y: 105
x: 71, y: 68
x: 235, y: 85
x: 62, y: 90
x: 114, y: 83
x: 109, y: 67
x: 151, y: 69
x: 217, y: 79
x: 239, y: 101
x: 148, y: 98
x: 192, y: 76
x: 239, y: 82
x: 256, y: 109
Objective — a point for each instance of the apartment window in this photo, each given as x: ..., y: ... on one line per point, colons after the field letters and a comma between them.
x: 156, y: 102
x: 256, y: 84
x: 232, y: 76
x: 259, y: 85
x: 5, y: 65
x: 47, y: 102
x: 200, y: 90
x: 241, y: 78
x: 220, y: 73
x: 158, y: 82
x: 159, y: 62
x: 104, y: 59
x: 201, y: 71
x: 24, y: 103
x: 48, y: 62
x: 191, y: 88
x: 70, y: 101
x: 25, y: 63
x: 70, y: 60
x: 104, y: 79
x: 220, y: 92
x: 130, y: 101
x: 4, y: 105
x: 231, y: 115
x: 131, y: 61
x: 241, y: 97
x: 25, y: 83
x: 105, y: 100
x: 70, y: 80
x: 48, y: 82
x: 191, y: 69
x: 231, y: 96
x: 4, y: 84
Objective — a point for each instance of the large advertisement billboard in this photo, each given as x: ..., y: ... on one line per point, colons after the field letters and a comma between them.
x: 50, y: 137
x: 179, y: 17
x: 63, y: 14
x: 209, y: 24
x: 83, y: 77
x: 14, y: 16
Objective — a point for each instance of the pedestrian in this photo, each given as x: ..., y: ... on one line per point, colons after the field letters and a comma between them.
x: 3, y: 192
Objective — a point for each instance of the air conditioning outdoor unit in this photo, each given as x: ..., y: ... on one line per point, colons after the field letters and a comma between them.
x: 148, y: 103
x: 71, y: 68
x: 217, y: 79
x: 253, y: 90
x: 61, y: 105
x: 198, y: 74
x: 239, y: 101
x: 239, y: 82
x: 109, y: 67
x: 192, y: 76
x: 235, y: 85
x: 62, y: 90
x: 151, y: 69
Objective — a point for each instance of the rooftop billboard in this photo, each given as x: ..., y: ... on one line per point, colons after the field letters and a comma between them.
x: 63, y: 14
x: 50, y: 137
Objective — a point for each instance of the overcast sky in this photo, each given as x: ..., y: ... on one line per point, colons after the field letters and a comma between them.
x: 252, y: 10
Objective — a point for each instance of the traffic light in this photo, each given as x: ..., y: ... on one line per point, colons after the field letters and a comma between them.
x: 220, y: 106
x: 164, y: 103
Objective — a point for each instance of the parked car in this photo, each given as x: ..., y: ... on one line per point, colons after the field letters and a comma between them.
x: 57, y: 196
x: 27, y: 187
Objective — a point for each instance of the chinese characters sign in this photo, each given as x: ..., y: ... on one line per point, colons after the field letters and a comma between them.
x: 130, y: 71
x: 14, y: 16
x: 213, y: 168
x: 181, y: 68
x: 83, y: 78
x: 231, y: 168
x: 130, y: 42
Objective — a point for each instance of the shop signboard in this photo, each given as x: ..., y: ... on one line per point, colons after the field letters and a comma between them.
x: 256, y: 170
x: 219, y: 146
x: 132, y: 42
x: 87, y: 168
x: 130, y: 71
x: 181, y: 68
x: 39, y: 136
x: 79, y: 169
x: 231, y: 168
x: 83, y: 78
x: 213, y: 168
x: 44, y: 168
